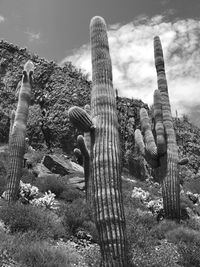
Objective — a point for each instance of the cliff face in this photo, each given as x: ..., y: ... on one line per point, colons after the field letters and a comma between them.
x: 55, y: 89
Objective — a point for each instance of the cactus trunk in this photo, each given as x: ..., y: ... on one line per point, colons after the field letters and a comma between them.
x: 105, y: 153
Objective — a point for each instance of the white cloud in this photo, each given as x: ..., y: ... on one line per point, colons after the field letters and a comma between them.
x: 131, y: 48
x: 2, y: 19
x: 33, y: 36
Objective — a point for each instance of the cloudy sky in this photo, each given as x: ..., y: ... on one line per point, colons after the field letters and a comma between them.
x: 59, y: 30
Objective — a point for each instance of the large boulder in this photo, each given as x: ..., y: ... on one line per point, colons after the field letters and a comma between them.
x: 60, y: 164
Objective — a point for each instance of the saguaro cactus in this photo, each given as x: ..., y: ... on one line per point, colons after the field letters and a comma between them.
x: 162, y: 152
x: 106, y: 166
x: 17, y: 135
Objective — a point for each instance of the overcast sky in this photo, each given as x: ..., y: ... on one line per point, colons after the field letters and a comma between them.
x: 59, y: 30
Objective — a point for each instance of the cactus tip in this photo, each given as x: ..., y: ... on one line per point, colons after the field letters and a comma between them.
x: 97, y: 20
x: 29, y: 66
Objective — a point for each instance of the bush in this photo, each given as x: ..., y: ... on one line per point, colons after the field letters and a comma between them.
x: 42, y: 254
x: 23, y: 218
x: 28, y: 250
x: 52, y: 183
x: 160, y: 230
x: 188, y: 242
x: 183, y: 234
x: 27, y: 176
x: 138, y: 224
x: 193, y: 185
x: 190, y: 254
x: 90, y: 227
x: 75, y: 215
x: 71, y: 193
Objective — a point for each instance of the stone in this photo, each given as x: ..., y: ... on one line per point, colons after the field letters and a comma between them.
x: 77, y: 182
x: 41, y: 171
x: 60, y: 165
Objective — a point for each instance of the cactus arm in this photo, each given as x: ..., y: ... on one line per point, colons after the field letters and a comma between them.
x: 139, y: 142
x: 151, y: 153
x: 80, y: 119
x: 105, y: 154
x: 17, y: 138
x: 86, y: 156
x: 82, y: 146
x: 77, y: 152
x: 159, y: 128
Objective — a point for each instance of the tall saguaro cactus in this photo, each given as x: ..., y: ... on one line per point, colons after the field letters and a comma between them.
x: 17, y: 135
x: 104, y: 151
x: 106, y: 166
x: 162, y: 153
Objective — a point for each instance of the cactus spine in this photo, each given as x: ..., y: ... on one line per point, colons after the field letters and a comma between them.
x: 105, y: 154
x: 17, y: 135
x: 162, y: 153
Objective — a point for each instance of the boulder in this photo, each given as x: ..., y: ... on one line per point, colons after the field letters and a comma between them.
x: 41, y: 171
x: 77, y: 182
x: 61, y: 165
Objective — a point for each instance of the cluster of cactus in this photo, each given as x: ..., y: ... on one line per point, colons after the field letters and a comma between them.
x: 159, y: 146
x: 104, y: 151
x: 100, y: 146
x: 17, y: 135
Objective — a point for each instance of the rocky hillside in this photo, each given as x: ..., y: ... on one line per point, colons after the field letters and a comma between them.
x: 55, y: 89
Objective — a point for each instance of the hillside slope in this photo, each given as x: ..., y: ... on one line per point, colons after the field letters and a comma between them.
x: 55, y: 89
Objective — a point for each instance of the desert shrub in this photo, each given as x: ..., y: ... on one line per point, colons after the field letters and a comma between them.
x: 183, y: 234
x: 190, y: 254
x: 90, y: 227
x: 42, y: 254
x: 28, y: 250
x: 159, y: 231
x: 188, y: 242
x: 192, y: 185
x: 192, y: 223
x: 52, y: 183
x: 75, y: 215
x: 23, y: 218
x: 27, y: 176
x: 71, y: 193
x: 138, y: 224
x: 35, y: 157
x: 59, y: 187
